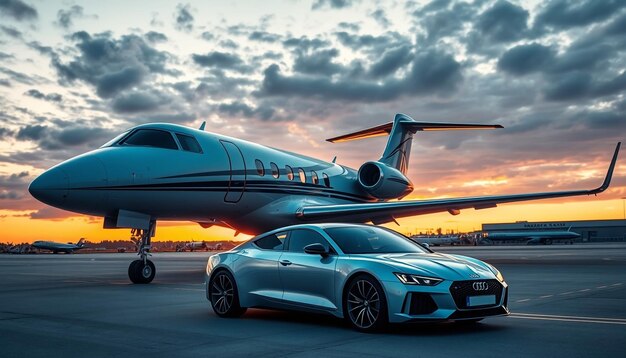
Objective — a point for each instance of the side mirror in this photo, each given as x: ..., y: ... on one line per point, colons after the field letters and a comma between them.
x: 316, y: 249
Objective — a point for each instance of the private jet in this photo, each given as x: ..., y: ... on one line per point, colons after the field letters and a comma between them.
x: 532, y: 237
x: 163, y: 171
x: 57, y: 247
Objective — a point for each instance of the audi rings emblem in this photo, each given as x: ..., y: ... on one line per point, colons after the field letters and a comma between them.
x: 480, y: 286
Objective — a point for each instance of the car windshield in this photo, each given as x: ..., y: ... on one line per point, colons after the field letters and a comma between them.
x: 372, y: 240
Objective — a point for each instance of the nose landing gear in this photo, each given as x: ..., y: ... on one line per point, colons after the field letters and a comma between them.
x: 142, y: 270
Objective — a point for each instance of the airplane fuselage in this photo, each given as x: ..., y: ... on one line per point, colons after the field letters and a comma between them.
x: 223, y: 182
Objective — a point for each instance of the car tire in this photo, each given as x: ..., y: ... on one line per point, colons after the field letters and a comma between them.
x: 365, y: 304
x: 224, y: 296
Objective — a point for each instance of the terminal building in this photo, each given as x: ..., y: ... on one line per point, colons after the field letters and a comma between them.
x: 590, y: 230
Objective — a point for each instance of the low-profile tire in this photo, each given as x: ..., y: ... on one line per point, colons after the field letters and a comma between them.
x: 365, y: 304
x: 140, y: 272
x: 224, y: 296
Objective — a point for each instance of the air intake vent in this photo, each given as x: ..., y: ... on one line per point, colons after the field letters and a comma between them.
x: 421, y: 303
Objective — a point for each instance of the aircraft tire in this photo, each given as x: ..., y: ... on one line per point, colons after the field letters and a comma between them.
x: 141, y: 273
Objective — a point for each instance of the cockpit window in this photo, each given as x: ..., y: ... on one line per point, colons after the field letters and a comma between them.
x: 151, y: 138
x: 189, y: 143
x: 114, y: 140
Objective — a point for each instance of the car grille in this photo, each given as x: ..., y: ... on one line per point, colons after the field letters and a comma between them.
x: 460, y: 290
x: 421, y: 303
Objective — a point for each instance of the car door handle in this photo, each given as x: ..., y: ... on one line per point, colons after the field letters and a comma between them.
x: 285, y: 262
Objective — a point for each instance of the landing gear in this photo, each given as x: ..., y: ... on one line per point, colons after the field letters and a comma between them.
x: 142, y: 270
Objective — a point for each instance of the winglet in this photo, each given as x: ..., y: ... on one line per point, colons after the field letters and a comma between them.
x: 202, y: 126
x: 609, y: 173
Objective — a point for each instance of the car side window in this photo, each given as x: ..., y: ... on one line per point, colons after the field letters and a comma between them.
x: 300, y: 238
x: 272, y: 242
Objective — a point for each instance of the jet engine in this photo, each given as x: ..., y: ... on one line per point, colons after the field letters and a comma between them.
x: 383, y: 182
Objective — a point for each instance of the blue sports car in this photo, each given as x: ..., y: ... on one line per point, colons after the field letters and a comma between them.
x: 366, y: 274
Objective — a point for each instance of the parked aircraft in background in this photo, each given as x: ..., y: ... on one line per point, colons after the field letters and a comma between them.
x: 532, y: 236
x: 169, y: 172
x: 57, y: 247
x: 436, y: 240
x: 197, y: 245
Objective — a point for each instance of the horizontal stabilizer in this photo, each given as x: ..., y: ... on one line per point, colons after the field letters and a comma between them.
x: 385, y: 129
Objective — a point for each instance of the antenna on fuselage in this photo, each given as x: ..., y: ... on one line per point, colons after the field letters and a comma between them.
x: 334, y: 159
x: 202, y: 126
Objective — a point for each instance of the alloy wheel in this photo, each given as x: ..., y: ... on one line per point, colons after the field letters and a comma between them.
x: 222, y: 293
x: 363, y: 304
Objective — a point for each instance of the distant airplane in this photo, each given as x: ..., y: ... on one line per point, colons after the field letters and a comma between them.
x: 170, y: 172
x: 533, y: 236
x: 57, y: 247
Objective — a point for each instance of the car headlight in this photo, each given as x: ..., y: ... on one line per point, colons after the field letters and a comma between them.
x: 409, y: 279
x: 496, y: 272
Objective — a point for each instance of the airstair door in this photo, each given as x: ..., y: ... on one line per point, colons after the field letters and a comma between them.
x: 237, y: 183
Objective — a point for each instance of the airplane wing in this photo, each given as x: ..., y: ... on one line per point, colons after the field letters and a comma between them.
x: 379, y: 213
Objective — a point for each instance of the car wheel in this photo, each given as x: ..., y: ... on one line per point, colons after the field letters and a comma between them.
x: 224, y: 296
x: 365, y: 305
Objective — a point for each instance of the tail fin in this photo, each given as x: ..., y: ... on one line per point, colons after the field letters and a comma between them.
x: 81, y: 242
x: 400, y: 131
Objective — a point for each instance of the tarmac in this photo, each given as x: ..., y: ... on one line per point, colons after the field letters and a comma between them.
x: 566, y: 301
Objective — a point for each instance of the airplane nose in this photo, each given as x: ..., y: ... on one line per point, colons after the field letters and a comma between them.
x: 51, y: 187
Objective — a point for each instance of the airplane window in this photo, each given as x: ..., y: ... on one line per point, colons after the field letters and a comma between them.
x: 298, y: 239
x: 272, y: 242
x: 314, y: 177
x: 151, y: 138
x: 275, y: 171
x: 326, y: 180
x: 302, y: 175
x: 260, y: 169
x: 289, y: 172
x: 189, y: 143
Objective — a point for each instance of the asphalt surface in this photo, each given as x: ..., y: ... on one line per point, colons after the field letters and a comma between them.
x: 566, y: 301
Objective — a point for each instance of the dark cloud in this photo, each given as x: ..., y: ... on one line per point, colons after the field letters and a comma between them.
x: 263, y: 36
x: 228, y: 43
x: 207, y: 36
x: 380, y: 17
x: 319, y: 62
x: 565, y: 14
x: 503, y: 22
x: 525, y: 59
x: 569, y: 86
x: 5, y: 82
x: 155, y: 37
x: 432, y: 72
x: 64, y: 134
x: 237, y: 108
x: 17, y: 76
x: 220, y: 60
x: 51, y: 213
x: 4, y: 56
x: 585, y: 58
x: 334, y: 4
x: 390, y: 61
x: 444, y: 18
x: 137, y: 102
x: 349, y: 26
x: 112, y: 65
x: 31, y: 132
x: 44, y: 50
x: 51, y: 97
x: 184, y: 18
x: 304, y: 43
x: 371, y: 43
x: 11, y: 31
x: 18, y: 10
x: 66, y: 17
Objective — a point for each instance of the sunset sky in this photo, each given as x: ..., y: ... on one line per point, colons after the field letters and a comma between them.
x: 290, y: 74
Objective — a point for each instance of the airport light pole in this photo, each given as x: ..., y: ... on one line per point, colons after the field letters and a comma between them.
x: 624, y: 206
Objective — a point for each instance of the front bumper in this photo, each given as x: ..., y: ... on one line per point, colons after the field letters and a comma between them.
x: 446, y: 301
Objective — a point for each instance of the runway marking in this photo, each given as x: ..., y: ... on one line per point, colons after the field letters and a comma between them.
x: 524, y: 300
x: 545, y: 317
x: 600, y: 287
x: 566, y: 293
x: 546, y: 296
x: 584, y: 290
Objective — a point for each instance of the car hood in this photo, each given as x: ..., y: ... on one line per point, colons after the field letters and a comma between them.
x: 450, y: 267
